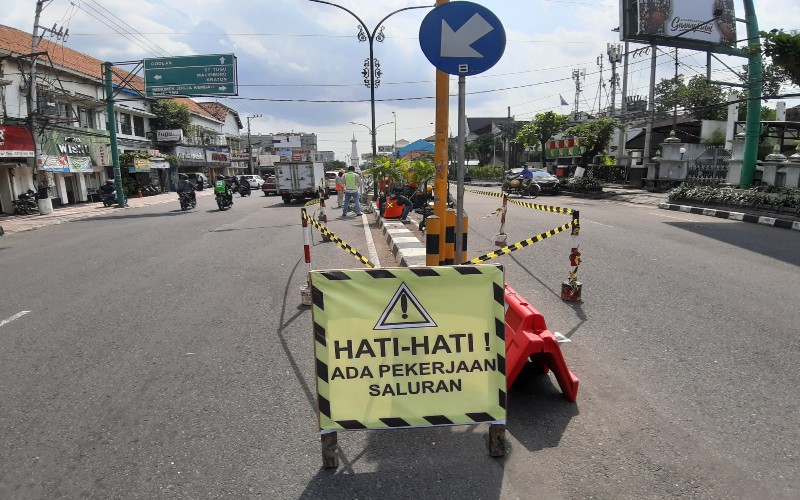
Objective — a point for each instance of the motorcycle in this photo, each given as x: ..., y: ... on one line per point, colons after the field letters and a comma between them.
x: 224, y: 201
x: 111, y: 199
x: 187, y: 200
x: 515, y: 184
x: 244, y: 190
x: 26, y: 204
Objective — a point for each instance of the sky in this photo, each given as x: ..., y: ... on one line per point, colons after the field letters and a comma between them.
x: 300, y: 63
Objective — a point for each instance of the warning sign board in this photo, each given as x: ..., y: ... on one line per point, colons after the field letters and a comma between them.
x: 409, y: 347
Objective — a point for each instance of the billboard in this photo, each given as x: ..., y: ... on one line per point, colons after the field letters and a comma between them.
x: 694, y: 24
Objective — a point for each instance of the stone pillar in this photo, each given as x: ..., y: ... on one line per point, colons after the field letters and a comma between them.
x: 771, y: 164
x: 81, y: 193
x: 737, y: 158
x: 780, y: 111
x: 61, y: 188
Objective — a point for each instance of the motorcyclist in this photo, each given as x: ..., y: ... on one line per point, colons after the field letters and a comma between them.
x: 186, y: 186
x: 243, y: 182
x: 108, y: 189
x: 526, y: 175
x: 222, y: 187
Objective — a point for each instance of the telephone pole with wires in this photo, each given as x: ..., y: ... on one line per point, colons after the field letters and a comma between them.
x: 600, y: 86
x: 579, y: 75
x: 45, y: 205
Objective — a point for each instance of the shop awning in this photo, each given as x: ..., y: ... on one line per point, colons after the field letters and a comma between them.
x: 15, y: 142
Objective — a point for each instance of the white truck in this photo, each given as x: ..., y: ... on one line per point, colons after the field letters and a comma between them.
x: 299, y: 180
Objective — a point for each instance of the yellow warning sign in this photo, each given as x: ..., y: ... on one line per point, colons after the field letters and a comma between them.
x: 404, y: 311
x: 409, y: 347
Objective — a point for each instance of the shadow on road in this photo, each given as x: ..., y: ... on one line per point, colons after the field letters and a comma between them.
x: 742, y: 236
x: 131, y: 216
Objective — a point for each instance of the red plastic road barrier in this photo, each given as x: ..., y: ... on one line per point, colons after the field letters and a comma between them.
x: 527, y: 337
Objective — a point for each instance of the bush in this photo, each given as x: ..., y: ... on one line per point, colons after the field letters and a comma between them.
x: 581, y: 184
x: 486, y: 172
x: 781, y: 198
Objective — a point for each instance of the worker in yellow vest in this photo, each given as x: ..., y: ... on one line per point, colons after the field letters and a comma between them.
x: 352, y: 183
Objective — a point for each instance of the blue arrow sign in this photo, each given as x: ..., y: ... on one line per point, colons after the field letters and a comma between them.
x: 462, y: 38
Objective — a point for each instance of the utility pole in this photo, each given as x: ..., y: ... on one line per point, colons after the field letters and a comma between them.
x: 651, y: 111
x: 600, y: 87
x: 578, y: 75
x: 250, y: 145
x: 614, y: 52
x: 506, y: 140
x: 394, y: 146
x: 623, y: 107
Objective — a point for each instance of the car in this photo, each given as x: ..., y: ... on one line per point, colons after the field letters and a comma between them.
x: 270, y: 186
x: 199, y: 179
x: 255, y: 181
x: 548, y: 183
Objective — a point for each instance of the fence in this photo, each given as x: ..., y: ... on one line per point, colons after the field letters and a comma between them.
x: 710, y: 168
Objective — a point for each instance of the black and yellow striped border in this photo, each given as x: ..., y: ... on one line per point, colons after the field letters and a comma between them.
x: 534, y: 206
x: 521, y: 244
x: 347, y: 248
x: 328, y: 421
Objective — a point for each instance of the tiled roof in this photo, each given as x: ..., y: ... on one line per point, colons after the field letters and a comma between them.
x: 196, y: 108
x: 220, y: 111
x: 18, y: 43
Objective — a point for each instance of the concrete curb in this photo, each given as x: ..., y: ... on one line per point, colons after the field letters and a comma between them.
x: 406, y: 247
x: 740, y: 216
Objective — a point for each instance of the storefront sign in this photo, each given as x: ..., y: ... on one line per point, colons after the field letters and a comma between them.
x: 100, y: 154
x: 172, y: 135
x: 65, y: 164
x: 189, y: 153
x: 15, y: 142
x: 218, y: 156
x: 239, y: 157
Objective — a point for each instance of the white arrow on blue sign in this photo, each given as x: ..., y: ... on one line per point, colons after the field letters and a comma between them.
x: 462, y: 38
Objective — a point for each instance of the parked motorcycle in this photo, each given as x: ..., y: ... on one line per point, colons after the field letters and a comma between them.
x: 514, y: 184
x: 26, y: 204
x: 244, y: 190
x: 187, y: 201
x: 224, y: 202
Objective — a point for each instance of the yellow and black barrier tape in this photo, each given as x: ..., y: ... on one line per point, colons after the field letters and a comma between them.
x: 545, y: 208
x: 325, y: 232
x: 520, y: 244
x: 493, y: 214
x: 311, y: 202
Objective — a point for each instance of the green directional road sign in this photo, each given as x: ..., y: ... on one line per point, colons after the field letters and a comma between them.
x: 205, y: 75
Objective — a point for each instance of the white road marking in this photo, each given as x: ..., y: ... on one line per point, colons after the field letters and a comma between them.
x: 598, y: 223
x: 12, y: 318
x: 373, y: 252
x: 673, y: 217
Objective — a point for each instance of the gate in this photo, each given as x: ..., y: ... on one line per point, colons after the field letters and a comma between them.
x: 710, y: 168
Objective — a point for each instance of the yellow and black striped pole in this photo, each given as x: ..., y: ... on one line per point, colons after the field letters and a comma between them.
x: 465, y: 230
x: 432, y: 238
x: 450, y: 238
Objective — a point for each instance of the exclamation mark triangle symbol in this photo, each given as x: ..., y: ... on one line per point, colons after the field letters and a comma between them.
x: 404, y: 311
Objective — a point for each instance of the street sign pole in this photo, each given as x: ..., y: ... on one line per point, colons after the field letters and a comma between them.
x: 112, y: 132
x: 462, y: 135
x: 462, y: 39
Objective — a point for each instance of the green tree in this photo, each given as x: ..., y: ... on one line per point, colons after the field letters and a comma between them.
x: 541, y: 129
x: 170, y: 115
x: 593, y: 136
x: 784, y: 49
x: 486, y: 146
x: 704, y: 100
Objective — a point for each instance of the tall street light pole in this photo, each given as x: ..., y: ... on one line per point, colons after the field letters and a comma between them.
x: 372, y: 132
x: 371, y: 72
x: 394, y: 144
x: 249, y: 145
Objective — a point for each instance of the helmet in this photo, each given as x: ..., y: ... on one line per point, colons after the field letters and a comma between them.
x: 341, y: 171
x: 109, y: 181
x: 220, y: 178
x: 183, y: 177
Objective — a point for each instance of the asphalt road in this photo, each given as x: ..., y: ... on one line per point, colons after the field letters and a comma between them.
x: 166, y: 355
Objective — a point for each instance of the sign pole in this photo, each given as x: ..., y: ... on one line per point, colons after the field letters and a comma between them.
x: 462, y: 84
x: 440, y: 150
x: 112, y: 131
